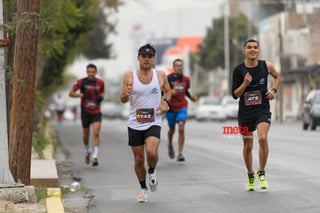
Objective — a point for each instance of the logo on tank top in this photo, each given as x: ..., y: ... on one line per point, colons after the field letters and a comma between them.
x: 261, y: 81
x: 154, y: 91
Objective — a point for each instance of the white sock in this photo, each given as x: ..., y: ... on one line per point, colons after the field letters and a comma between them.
x: 95, y: 151
x: 87, y: 148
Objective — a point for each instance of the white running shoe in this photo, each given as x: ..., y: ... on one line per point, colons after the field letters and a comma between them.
x: 143, y: 196
x: 153, y: 181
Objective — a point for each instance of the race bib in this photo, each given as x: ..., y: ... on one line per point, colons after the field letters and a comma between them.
x: 91, y: 104
x: 252, y: 98
x: 180, y: 87
x: 145, y: 115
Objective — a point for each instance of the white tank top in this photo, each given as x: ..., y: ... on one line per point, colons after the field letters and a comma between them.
x: 144, y: 103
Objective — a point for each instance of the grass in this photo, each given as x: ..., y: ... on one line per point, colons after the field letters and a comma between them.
x: 43, y: 139
x: 41, y: 193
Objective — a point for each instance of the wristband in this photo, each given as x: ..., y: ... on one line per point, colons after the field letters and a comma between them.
x: 100, y: 99
x: 166, y: 100
x: 274, y: 90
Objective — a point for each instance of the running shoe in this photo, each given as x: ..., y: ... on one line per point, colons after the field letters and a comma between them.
x: 95, y: 162
x: 262, y: 180
x: 87, y: 158
x: 251, y: 186
x: 170, y: 151
x: 180, y: 158
x: 153, y: 181
x: 143, y: 196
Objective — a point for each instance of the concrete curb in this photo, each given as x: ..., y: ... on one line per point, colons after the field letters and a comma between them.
x: 54, y: 202
x: 51, y: 178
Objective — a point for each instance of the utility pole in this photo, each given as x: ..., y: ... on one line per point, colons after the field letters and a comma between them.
x: 226, y: 45
x: 6, y: 178
x: 23, y: 89
x: 281, y: 71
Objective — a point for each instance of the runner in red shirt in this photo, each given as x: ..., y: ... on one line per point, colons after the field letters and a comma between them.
x: 91, y: 94
x: 178, y: 112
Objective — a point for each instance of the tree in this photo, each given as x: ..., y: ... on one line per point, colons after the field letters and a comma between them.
x: 62, y: 29
x: 97, y: 40
x: 24, y: 72
x: 64, y: 25
x: 97, y: 45
x: 212, y: 48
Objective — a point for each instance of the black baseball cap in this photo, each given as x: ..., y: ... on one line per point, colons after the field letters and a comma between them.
x: 146, y: 50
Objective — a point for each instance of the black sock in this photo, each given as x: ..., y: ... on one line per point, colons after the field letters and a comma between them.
x: 151, y: 170
x: 143, y: 184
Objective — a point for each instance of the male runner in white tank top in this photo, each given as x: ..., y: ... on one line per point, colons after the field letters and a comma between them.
x: 142, y: 88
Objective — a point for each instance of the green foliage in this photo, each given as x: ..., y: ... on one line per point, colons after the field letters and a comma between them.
x: 41, y: 136
x: 67, y: 28
x: 64, y: 190
x: 211, y: 54
x: 97, y: 46
x: 39, y: 143
x: 63, y: 23
x: 41, y: 193
x: 112, y: 3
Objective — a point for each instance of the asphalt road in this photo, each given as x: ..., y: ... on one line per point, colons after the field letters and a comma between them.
x: 213, y: 177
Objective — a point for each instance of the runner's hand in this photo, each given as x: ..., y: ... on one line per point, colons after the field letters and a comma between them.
x: 163, y: 108
x: 270, y: 95
x: 247, y: 79
x: 128, y: 90
x: 100, y: 99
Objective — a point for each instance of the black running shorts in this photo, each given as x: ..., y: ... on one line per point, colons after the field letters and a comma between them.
x: 137, y: 137
x: 254, y: 121
x: 88, y: 118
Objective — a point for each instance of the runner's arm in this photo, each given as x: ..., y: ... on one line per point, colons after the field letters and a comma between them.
x: 126, y: 87
x: 276, y: 77
x: 73, y: 91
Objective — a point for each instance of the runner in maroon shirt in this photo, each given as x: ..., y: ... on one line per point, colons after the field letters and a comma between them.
x: 178, y: 112
x: 91, y: 94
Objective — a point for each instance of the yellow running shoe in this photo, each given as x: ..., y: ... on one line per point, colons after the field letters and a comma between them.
x: 251, y: 186
x: 262, y: 180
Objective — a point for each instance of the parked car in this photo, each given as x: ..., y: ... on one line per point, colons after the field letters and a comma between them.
x: 191, y: 109
x: 311, y: 110
x: 210, y: 108
x: 231, y: 106
x: 125, y: 111
x: 111, y: 110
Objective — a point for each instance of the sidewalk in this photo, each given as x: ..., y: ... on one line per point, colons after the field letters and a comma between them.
x: 77, y: 201
x: 55, y: 174
x: 70, y: 202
